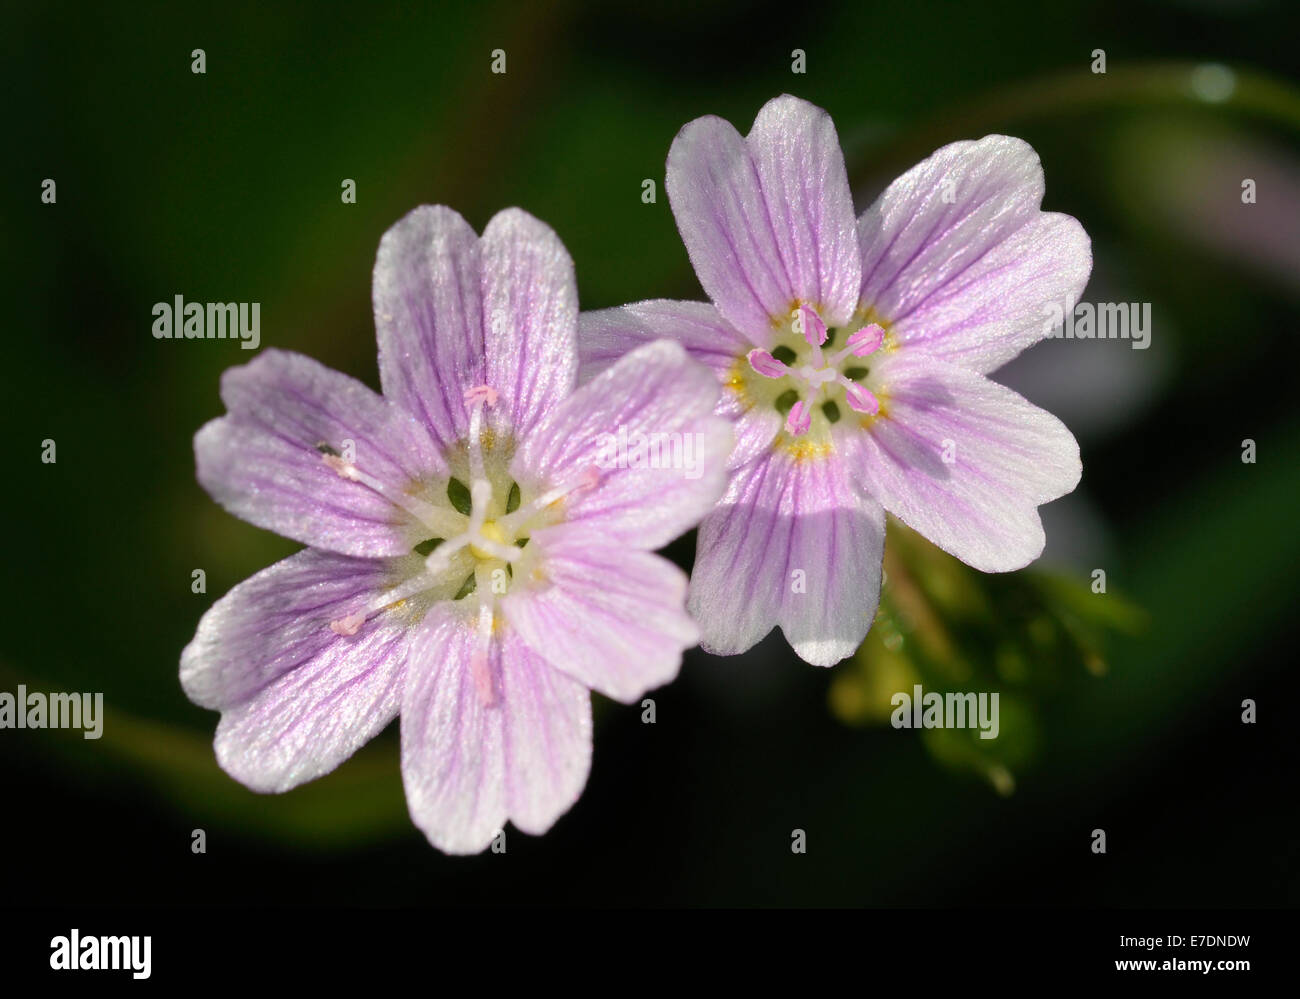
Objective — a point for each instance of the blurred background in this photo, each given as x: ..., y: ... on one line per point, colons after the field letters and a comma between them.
x: 1119, y: 711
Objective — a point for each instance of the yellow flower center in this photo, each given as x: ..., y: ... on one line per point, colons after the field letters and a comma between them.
x: 490, y: 531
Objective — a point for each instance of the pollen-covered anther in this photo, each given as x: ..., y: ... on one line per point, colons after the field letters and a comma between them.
x: 814, y: 329
x: 767, y: 365
x: 344, y: 469
x: 799, y: 420
x: 861, y: 399
x: 480, y: 393
x: 348, y: 626
x: 865, y: 341
x: 588, y: 478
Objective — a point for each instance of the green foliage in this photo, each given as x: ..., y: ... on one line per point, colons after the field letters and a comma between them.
x: 947, y: 627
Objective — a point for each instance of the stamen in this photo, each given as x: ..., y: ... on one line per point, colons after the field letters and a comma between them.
x: 426, y: 513
x: 348, y: 626
x: 814, y: 330
x: 485, y: 540
x: 477, y: 397
x: 860, y: 398
x: 865, y: 341
x: 480, y: 393
x: 435, y: 565
x: 344, y: 470
x: 480, y: 495
x: 588, y: 478
x: 439, y: 560
x: 766, y: 365
x: 800, y: 418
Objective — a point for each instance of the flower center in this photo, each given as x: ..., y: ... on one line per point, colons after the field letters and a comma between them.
x: 494, y: 533
x: 481, y: 536
x: 822, y: 377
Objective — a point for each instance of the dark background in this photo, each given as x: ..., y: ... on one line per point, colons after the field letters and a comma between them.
x: 225, y: 187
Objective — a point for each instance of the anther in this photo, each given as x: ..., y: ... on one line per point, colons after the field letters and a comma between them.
x: 865, y: 341
x: 767, y: 365
x: 799, y: 419
x: 814, y: 330
x: 860, y: 398
x: 480, y: 393
x: 348, y: 626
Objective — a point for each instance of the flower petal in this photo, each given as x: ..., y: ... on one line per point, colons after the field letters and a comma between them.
x: 547, y: 737
x: 606, y: 335
x: 963, y: 460
x: 658, y: 402
x: 468, y: 766
x: 296, y: 698
x: 610, y: 617
x: 792, y: 543
x: 530, y: 311
x: 278, y: 620
x: 756, y: 428
x: 960, y: 261
x: 428, y: 299
x: 767, y: 219
x: 265, y: 461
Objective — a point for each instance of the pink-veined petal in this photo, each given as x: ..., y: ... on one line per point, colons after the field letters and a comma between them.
x: 296, y: 698
x: 791, y: 543
x: 266, y: 460
x: 469, y: 765
x: 428, y: 300
x: 646, y: 427
x: 610, y: 617
x: 605, y: 335
x: 609, y: 334
x: 959, y: 259
x: 963, y: 460
x: 767, y: 219
x: 530, y: 314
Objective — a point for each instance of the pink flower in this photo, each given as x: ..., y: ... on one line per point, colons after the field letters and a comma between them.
x: 853, y: 357
x: 473, y: 565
